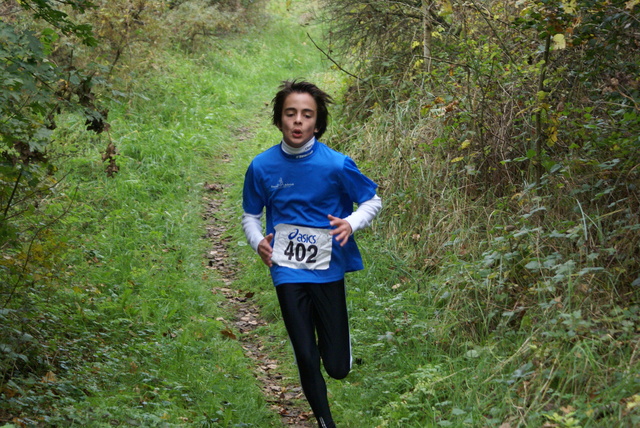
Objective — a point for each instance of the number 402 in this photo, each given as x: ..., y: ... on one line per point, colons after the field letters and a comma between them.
x: 299, y: 251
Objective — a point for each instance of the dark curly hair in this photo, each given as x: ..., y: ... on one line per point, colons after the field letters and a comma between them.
x: 322, y: 100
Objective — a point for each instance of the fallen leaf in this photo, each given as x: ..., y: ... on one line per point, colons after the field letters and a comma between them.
x: 228, y: 333
x: 49, y: 377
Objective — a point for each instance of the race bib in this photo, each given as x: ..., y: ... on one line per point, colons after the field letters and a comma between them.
x: 302, y: 247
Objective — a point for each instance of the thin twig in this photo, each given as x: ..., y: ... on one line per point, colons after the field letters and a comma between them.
x: 28, y: 255
x: 457, y: 64
x: 331, y: 59
x: 13, y: 193
x: 498, y: 38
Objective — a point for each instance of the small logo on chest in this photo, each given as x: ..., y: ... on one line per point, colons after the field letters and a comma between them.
x: 281, y: 185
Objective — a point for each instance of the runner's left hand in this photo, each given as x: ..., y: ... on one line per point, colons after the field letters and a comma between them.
x: 342, y: 229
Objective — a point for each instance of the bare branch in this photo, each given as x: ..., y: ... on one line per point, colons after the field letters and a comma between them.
x: 331, y: 59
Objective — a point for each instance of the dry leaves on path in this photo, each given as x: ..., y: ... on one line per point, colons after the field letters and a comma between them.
x: 283, y: 398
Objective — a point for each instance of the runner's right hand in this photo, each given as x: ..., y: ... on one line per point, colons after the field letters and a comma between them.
x: 265, y: 251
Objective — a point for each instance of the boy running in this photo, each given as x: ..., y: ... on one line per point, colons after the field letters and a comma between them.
x: 308, y: 191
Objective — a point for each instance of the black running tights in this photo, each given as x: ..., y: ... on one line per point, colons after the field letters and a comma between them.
x: 308, y: 309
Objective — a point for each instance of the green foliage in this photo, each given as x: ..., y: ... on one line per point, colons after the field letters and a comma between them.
x: 33, y: 91
x: 25, y: 94
x: 495, y: 111
x: 35, y: 88
x: 501, y: 92
x: 121, y: 321
x: 505, y: 141
x: 196, y: 21
x: 47, y: 11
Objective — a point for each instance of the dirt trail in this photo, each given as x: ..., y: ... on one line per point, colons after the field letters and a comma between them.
x: 246, y: 318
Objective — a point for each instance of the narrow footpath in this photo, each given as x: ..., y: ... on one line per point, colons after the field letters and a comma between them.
x: 282, y: 398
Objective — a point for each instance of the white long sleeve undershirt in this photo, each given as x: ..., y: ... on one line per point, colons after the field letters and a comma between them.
x: 252, y: 226
x: 359, y: 219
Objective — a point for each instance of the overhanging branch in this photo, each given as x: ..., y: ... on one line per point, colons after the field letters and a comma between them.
x: 331, y: 59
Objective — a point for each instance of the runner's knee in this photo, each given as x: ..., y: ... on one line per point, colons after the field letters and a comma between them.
x: 338, y: 370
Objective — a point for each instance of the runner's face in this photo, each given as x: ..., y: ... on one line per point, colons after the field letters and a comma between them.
x: 299, y: 115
